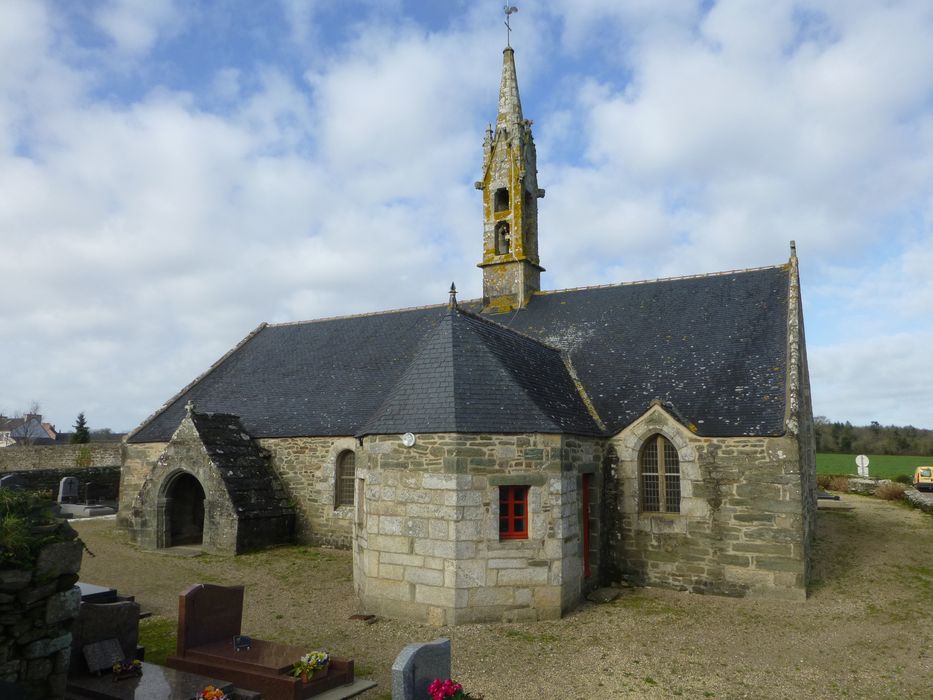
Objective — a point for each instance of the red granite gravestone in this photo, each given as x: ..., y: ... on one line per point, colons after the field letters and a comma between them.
x: 209, y: 620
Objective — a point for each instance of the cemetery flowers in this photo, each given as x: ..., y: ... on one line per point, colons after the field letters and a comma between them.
x: 211, y: 693
x: 127, y: 668
x: 309, y: 663
x: 448, y: 688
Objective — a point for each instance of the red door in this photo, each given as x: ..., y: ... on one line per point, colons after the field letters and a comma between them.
x: 586, y: 525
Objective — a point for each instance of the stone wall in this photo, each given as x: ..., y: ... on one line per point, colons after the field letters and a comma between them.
x: 741, y: 529
x: 307, y: 468
x: 243, y: 504
x: 60, y: 457
x: 37, y: 610
x: 427, y: 527
x: 105, y: 480
x: 138, y: 462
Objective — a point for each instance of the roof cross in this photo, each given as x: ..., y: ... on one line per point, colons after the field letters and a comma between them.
x: 509, y: 11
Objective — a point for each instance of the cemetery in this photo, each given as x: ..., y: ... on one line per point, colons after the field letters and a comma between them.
x: 240, y: 625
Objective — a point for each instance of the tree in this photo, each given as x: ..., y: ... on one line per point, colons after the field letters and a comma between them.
x: 82, y: 434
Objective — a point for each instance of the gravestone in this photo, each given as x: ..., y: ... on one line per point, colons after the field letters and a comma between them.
x: 12, y: 481
x: 417, y: 666
x: 103, y: 630
x: 68, y: 490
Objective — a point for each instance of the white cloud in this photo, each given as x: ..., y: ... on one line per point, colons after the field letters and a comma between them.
x: 136, y: 25
x: 153, y: 234
x: 883, y: 378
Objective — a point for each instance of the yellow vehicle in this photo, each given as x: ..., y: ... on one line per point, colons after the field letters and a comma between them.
x: 923, y: 479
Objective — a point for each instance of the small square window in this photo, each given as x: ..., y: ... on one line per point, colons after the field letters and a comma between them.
x: 513, y: 512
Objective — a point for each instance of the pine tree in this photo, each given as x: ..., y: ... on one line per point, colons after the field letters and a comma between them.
x: 82, y: 434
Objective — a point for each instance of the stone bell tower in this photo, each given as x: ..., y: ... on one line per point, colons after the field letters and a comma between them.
x: 511, y: 270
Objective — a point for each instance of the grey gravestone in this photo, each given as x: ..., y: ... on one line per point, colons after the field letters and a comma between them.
x: 12, y: 481
x: 68, y: 490
x: 417, y: 666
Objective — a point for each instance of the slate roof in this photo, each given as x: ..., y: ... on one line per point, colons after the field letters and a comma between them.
x: 473, y: 376
x: 714, y: 348
x: 243, y: 467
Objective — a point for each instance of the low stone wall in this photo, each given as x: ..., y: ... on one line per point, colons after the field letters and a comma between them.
x: 37, y: 610
x: 921, y: 500
x: 60, y: 457
x: 105, y: 480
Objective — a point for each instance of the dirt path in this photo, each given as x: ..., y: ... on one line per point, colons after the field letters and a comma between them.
x: 866, y: 630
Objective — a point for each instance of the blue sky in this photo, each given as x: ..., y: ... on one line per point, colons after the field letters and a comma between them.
x: 175, y: 173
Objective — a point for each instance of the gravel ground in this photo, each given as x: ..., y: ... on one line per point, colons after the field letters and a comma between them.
x: 864, y: 632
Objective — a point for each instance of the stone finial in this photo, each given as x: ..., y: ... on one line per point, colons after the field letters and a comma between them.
x: 793, y: 249
x: 189, y: 408
x: 452, y: 300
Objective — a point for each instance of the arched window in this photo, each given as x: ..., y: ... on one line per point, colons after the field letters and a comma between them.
x: 345, y: 476
x: 660, y: 476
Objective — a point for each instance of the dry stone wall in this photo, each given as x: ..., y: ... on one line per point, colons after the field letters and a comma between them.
x: 42, y: 467
x: 37, y: 610
x: 60, y: 457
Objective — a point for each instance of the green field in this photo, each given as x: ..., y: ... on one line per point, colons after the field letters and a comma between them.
x: 884, y: 466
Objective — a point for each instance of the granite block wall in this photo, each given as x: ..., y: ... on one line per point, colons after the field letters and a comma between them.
x: 427, y: 527
x: 742, y: 529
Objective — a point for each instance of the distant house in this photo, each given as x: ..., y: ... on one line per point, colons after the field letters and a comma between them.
x: 28, y: 430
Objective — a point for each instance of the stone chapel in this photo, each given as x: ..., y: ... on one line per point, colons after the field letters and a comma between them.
x: 496, y: 459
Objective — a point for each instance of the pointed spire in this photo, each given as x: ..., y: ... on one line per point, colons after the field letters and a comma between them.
x: 452, y: 301
x: 510, y: 104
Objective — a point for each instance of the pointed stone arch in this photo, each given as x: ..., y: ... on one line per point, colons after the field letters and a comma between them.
x: 212, y: 485
x: 181, y: 510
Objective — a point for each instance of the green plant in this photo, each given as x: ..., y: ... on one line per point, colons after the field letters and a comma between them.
x: 24, y: 520
x: 83, y: 458
x: 904, y: 479
x: 15, y: 538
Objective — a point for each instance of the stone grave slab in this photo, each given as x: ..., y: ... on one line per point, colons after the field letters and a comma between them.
x: 155, y: 683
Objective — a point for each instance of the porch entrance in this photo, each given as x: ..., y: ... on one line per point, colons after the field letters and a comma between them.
x: 185, y: 511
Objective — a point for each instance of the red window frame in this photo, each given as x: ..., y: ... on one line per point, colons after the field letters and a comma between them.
x: 513, y: 512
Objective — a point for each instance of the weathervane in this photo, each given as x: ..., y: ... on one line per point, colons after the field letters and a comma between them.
x: 509, y: 11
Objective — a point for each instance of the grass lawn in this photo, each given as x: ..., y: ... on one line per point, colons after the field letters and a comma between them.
x: 883, y: 466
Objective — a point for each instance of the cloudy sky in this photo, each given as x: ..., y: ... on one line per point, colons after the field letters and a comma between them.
x: 173, y: 173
